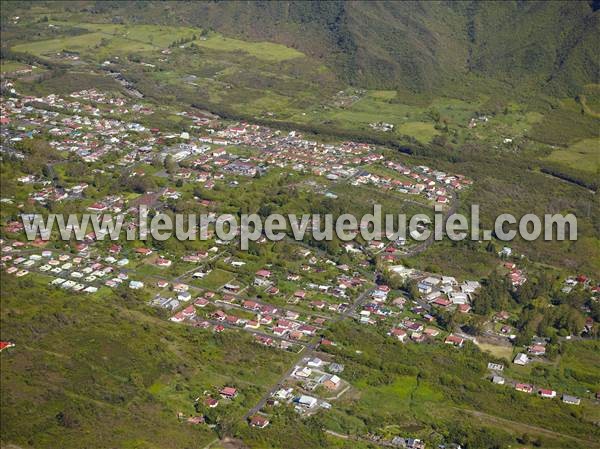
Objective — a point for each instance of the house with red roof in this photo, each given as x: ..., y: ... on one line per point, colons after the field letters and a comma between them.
x: 189, y: 312
x: 550, y: 394
x: 115, y: 249
x: 537, y: 350
x: 524, y: 388
x: 178, y: 317
x: 6, y: 344
x: 201, y: 302
x: 454, y: 340
x: 400, y: 334
x: 211, y: 402
x: 228, y: 392
x: 162, y: 262
x: 195, y: 420
x: 301, y: 294
x: 259, y: 421
x: 251, y: 305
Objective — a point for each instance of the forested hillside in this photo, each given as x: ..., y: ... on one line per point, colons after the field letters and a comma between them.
x: 548, y: 46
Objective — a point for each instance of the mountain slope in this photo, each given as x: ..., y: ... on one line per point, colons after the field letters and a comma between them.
x: 414, y: 45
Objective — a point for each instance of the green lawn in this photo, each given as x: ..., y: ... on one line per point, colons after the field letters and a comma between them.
x: 215, y: 279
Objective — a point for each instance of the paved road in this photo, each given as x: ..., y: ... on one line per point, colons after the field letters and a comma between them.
x: 308, y: 352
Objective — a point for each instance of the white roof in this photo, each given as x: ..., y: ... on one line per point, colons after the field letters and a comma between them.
x: 308, y: 400
x: 431, y: 280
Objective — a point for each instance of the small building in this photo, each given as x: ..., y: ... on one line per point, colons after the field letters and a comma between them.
x: 495, y: 366
x: 454, y: 340
x: 211, y: 402
x: 537, y: 350
x: 306, y: 401
x: 228, y: 392
x: 550, y: 394
x: 195, y: 420
x: 400, y: 334
x: 315, y: 363
x: 498, y: 380
x: 136, y: 285
x: 333, y: 382
x: 336, y: 368
x: 521, y: 359
x: 573, y: 400
x: 259, y: 421
x: 524, y: 388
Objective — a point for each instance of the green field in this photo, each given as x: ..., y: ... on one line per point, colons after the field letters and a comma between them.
x: 501, y: 352
x: 583, y: 155
x: 105, y: 40
x: 12, y: 66
x: 262, y: 50
x: 421, y: 131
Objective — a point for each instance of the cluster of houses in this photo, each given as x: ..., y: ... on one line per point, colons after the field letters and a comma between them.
x: 275, y: 324
x: 67, y: 272
x: 334, y: 161
x: 312, y: 378
x: 432, y: 184
x: 583, y: 281
x: 79, y: 127
x: 498, y: 379
x: 515, y: 275
x: 444, y: 292
x: 77, y: 273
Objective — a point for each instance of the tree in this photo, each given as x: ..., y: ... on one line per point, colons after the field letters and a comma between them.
x: 170, y: 164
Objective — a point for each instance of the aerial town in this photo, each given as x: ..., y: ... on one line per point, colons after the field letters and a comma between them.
x: 127, y: 340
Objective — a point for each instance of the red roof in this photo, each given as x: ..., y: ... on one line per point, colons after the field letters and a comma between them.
x: 259, y: 421
x: 228, y: 391
x: 454, y: 340
x: 189, y: 310
x: 5, y: 344
x: 524, y: 387
x: 250, y: 304
x: 211, y: 402
x: 464, y: 308
x: 201, y: 302
x: 442, y: 302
